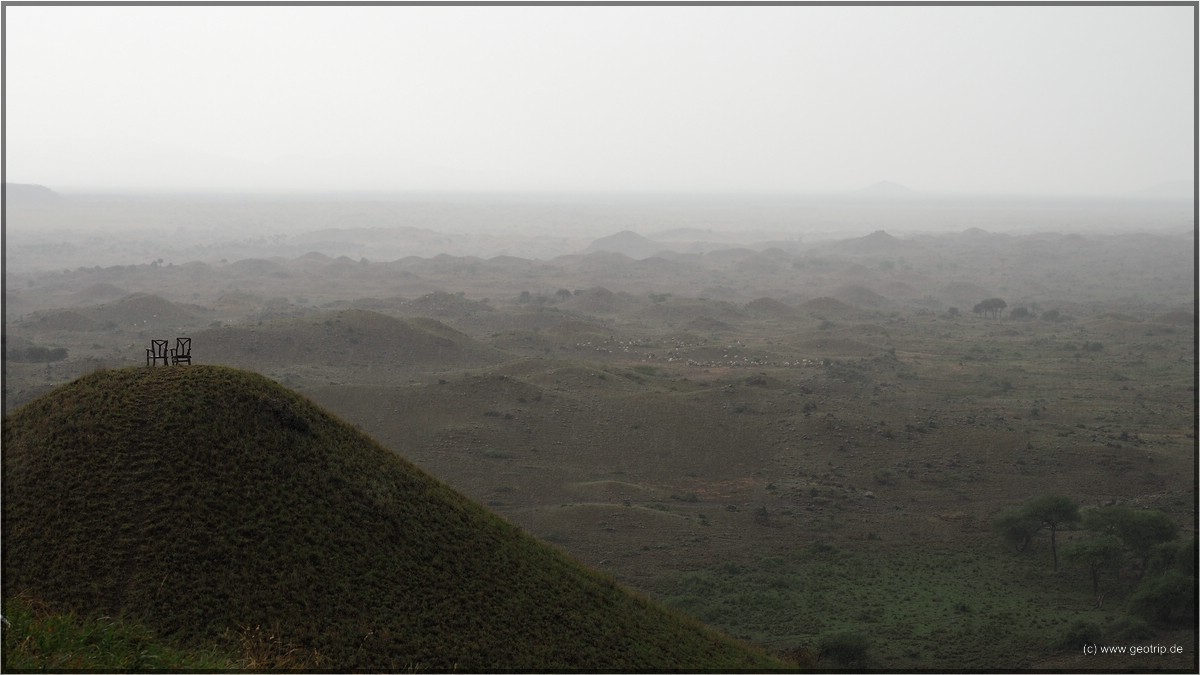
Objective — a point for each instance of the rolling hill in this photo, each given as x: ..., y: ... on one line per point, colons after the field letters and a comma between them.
x: 345, y: 337
x: 28, y: 193
x: 626, y: 242
x: 206, y: 503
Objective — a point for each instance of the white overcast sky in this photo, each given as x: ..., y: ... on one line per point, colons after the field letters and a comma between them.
x: 1013, y: 99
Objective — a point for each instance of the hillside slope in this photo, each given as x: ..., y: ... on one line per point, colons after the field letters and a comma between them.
x: 352, y: 337
x: 202, y: 501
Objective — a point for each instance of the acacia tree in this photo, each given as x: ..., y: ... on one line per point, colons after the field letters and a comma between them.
x: 992, y: 307
x: 1141, y: 530
x: 1049, y: 511
x: 1016, y: 527
x: 1053, y: 511
x: 1169, y: 590
x: 1096, y: 553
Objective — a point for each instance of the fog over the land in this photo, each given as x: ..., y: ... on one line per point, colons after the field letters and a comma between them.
x: 1033, y: 100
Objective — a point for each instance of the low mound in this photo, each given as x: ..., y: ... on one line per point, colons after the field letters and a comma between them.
x: 860, y: 296
x: 102, y: 292
x: 203, y: 501
x: 627, y: 243
x: 613, y: 491
x: 256, y: 267
x: 574, y: 378
x: 315, y: 256
x: 707, y: 324
x: 599, y: 300
x: 64, y: 319
x: 826, y: 304
x: 1183, y: 318
x: 440, y: 304
x: 144, y: 310
x: 770, y: 308
x: 876, y: 243
x: 345, y: 338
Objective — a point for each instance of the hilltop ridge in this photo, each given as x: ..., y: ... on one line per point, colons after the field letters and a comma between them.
x: 203, y: 500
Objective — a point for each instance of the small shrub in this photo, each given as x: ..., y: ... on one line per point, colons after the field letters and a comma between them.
x: 1129, y: 627
x: 847, y: 648
x: 1080, y: 632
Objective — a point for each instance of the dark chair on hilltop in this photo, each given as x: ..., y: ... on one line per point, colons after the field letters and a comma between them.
x: 182, y: 352
x: 156, y: 351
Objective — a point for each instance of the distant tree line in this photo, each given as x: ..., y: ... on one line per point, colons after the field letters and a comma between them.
x: 560, y: 295
x: 994, y: 307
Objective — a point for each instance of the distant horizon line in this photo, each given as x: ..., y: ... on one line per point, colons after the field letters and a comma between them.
x: 865, y: 194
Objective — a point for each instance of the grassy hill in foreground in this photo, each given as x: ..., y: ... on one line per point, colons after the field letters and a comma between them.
x: 205, y: 501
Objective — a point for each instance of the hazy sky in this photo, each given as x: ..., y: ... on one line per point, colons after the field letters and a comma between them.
x: 1017, y: 99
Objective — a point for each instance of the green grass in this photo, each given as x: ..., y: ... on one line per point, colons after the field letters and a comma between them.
x: 39, y: 639
x: 922, y: 608
x: 204, y: 500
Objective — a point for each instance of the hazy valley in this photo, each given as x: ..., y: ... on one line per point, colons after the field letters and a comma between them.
x: 787, y: 418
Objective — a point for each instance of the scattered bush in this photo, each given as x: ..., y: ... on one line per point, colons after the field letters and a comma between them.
x: 847, y: 648
x: 1165, y: 598
x: 1080, y: 632
x: 1128, y: 627
x: 1016, y: 527
x: 36, y: 354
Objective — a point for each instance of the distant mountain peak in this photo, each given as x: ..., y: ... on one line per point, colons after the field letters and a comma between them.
x: 626, y: 242
x: 29, y: 193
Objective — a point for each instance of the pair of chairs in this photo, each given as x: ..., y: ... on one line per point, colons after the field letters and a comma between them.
x: 160, y: 350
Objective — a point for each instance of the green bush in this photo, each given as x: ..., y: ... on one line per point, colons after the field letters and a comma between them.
x: 1166, y: 597
x: 847, y: 648
x: 38, y: 638
x: 1129, y: 627
x: 1081, y: 632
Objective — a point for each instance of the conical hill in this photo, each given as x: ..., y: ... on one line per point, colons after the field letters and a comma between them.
x: 206, y: 501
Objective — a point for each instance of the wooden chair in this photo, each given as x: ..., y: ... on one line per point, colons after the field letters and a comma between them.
x: 156, y: 351
x: 182, y: 352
